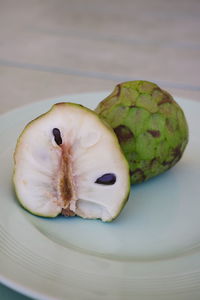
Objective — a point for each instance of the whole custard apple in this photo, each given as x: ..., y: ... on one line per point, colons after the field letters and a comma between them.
x: 151, y: 127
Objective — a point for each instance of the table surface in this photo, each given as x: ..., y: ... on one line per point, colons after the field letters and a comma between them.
x: 52, y: 48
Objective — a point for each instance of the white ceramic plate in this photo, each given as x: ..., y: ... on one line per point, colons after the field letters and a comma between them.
x: 151, y: 251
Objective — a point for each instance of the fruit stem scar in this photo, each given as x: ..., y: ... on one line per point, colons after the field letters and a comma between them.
x: 57, y: 136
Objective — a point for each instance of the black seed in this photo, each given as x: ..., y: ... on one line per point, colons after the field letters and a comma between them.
x: 57, y: 136
x: 106, y: 179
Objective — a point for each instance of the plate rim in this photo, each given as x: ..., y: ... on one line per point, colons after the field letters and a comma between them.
x: 7, y: 281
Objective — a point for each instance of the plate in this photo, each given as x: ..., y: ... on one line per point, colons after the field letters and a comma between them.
x: 151, y: 251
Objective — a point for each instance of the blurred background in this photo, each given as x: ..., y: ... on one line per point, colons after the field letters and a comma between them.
x: 50, y: 48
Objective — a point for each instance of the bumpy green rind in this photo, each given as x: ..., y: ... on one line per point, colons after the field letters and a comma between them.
x: 150, y: 125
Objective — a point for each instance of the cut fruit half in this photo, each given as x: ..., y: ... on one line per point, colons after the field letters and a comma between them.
x: 69, y: 162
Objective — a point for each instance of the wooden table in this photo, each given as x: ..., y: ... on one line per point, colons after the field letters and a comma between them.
x: 51, y: 48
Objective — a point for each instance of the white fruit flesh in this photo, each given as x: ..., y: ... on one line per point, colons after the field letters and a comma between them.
x: 50, y: 178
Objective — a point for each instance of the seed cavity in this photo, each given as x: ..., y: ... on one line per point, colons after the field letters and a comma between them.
x: 106, y: 179
x: 66, y: 185
x: 57, y: 136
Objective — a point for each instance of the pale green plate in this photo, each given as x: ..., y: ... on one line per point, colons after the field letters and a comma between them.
x: 151, y: 251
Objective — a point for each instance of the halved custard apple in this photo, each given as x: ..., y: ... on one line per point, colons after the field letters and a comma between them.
x: 68, y: 161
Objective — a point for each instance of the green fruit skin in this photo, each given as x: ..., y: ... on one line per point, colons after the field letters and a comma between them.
x: 151, y: 127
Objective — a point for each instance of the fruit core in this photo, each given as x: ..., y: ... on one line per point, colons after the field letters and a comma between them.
x: 67, y: 191
x: 66, y: 182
